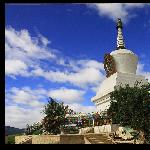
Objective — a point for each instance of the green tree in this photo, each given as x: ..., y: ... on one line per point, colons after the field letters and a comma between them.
x: 34, y: 129
x: 55, y: 116
x: 130, y: 106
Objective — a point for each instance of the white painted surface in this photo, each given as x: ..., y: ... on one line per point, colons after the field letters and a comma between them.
x: 103, y: 128
x: 102, y: 99
x: 85, y: 130
x: 121, y: 51
x: 125, y: 60
x: 103, y: 106
x: 106, y: 86
x: 125, y: 78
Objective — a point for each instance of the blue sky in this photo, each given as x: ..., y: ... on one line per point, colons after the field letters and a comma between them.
x: 57, y: 50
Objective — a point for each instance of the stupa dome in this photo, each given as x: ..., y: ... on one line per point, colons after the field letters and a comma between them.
x: 121, y: 51
x: 126, y: 61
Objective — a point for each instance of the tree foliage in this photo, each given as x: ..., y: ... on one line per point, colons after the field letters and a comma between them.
x: 130, y: 106
x: 55, y: 116
x: 34, y: 129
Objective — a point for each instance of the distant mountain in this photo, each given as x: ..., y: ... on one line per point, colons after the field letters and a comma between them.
x: 12, y: 130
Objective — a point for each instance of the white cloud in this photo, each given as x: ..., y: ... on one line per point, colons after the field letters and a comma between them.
x: 87, y: 76
x: 16, y: 67
x: 24, y: 105
x: 86, y: 63
x: 28, y: 45
x: 83, y: 73
x: 95, y: 88
x: 27, y: 51
x: 92, y: 64
x: 44, y: 40
x: 16, y: 116
x: 67, y: 95
x: 84, y: 77
x: 26, y: 96
x: 116, y: 10
x: 80, y: 108
x: 140, y: 70
x: 24, y: 52
x: 23, y: 58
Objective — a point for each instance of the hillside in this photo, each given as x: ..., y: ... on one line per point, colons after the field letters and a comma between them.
x: 12, y: 130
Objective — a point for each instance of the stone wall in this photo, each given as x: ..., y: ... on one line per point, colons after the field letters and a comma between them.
x: 51, y: 139
x: 72, y: 139
x: 46, y: 139
x: 23, y: 139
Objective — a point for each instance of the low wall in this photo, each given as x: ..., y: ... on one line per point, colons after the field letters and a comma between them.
x: 86, y: 130
x: 106, y: 128
x: 51, y: 139
x: 24, y: 139
x: 72, y: 139
x: 46, y: 139
x: 103, y: 128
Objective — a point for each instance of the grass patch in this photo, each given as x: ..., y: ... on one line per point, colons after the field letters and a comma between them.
x: 11, y: 138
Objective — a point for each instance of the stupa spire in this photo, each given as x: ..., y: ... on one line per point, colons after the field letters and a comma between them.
x: 120, y: 41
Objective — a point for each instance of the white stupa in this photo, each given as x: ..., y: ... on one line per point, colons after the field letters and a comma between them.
x: 120, y: 66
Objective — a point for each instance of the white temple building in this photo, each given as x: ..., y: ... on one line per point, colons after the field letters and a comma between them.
x: 120, y: 66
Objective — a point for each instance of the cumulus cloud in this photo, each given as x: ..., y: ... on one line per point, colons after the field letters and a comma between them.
x: 140, y: 70
x: 26, y: 96
x: 31, y: 47
x: 95, y: 88
x: 77, y: 65
x: 22, y: 51
x: 25, y: 105
x: 24, y: 55
x: 81, y: 73
x: 44, y: 40
x: 16, y: 116
x: 81, y: 108
x: 67, y: 95
x: 25, y: 52
x: 116, y: 10
x: 84, y: 77
x: 16, y: 67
